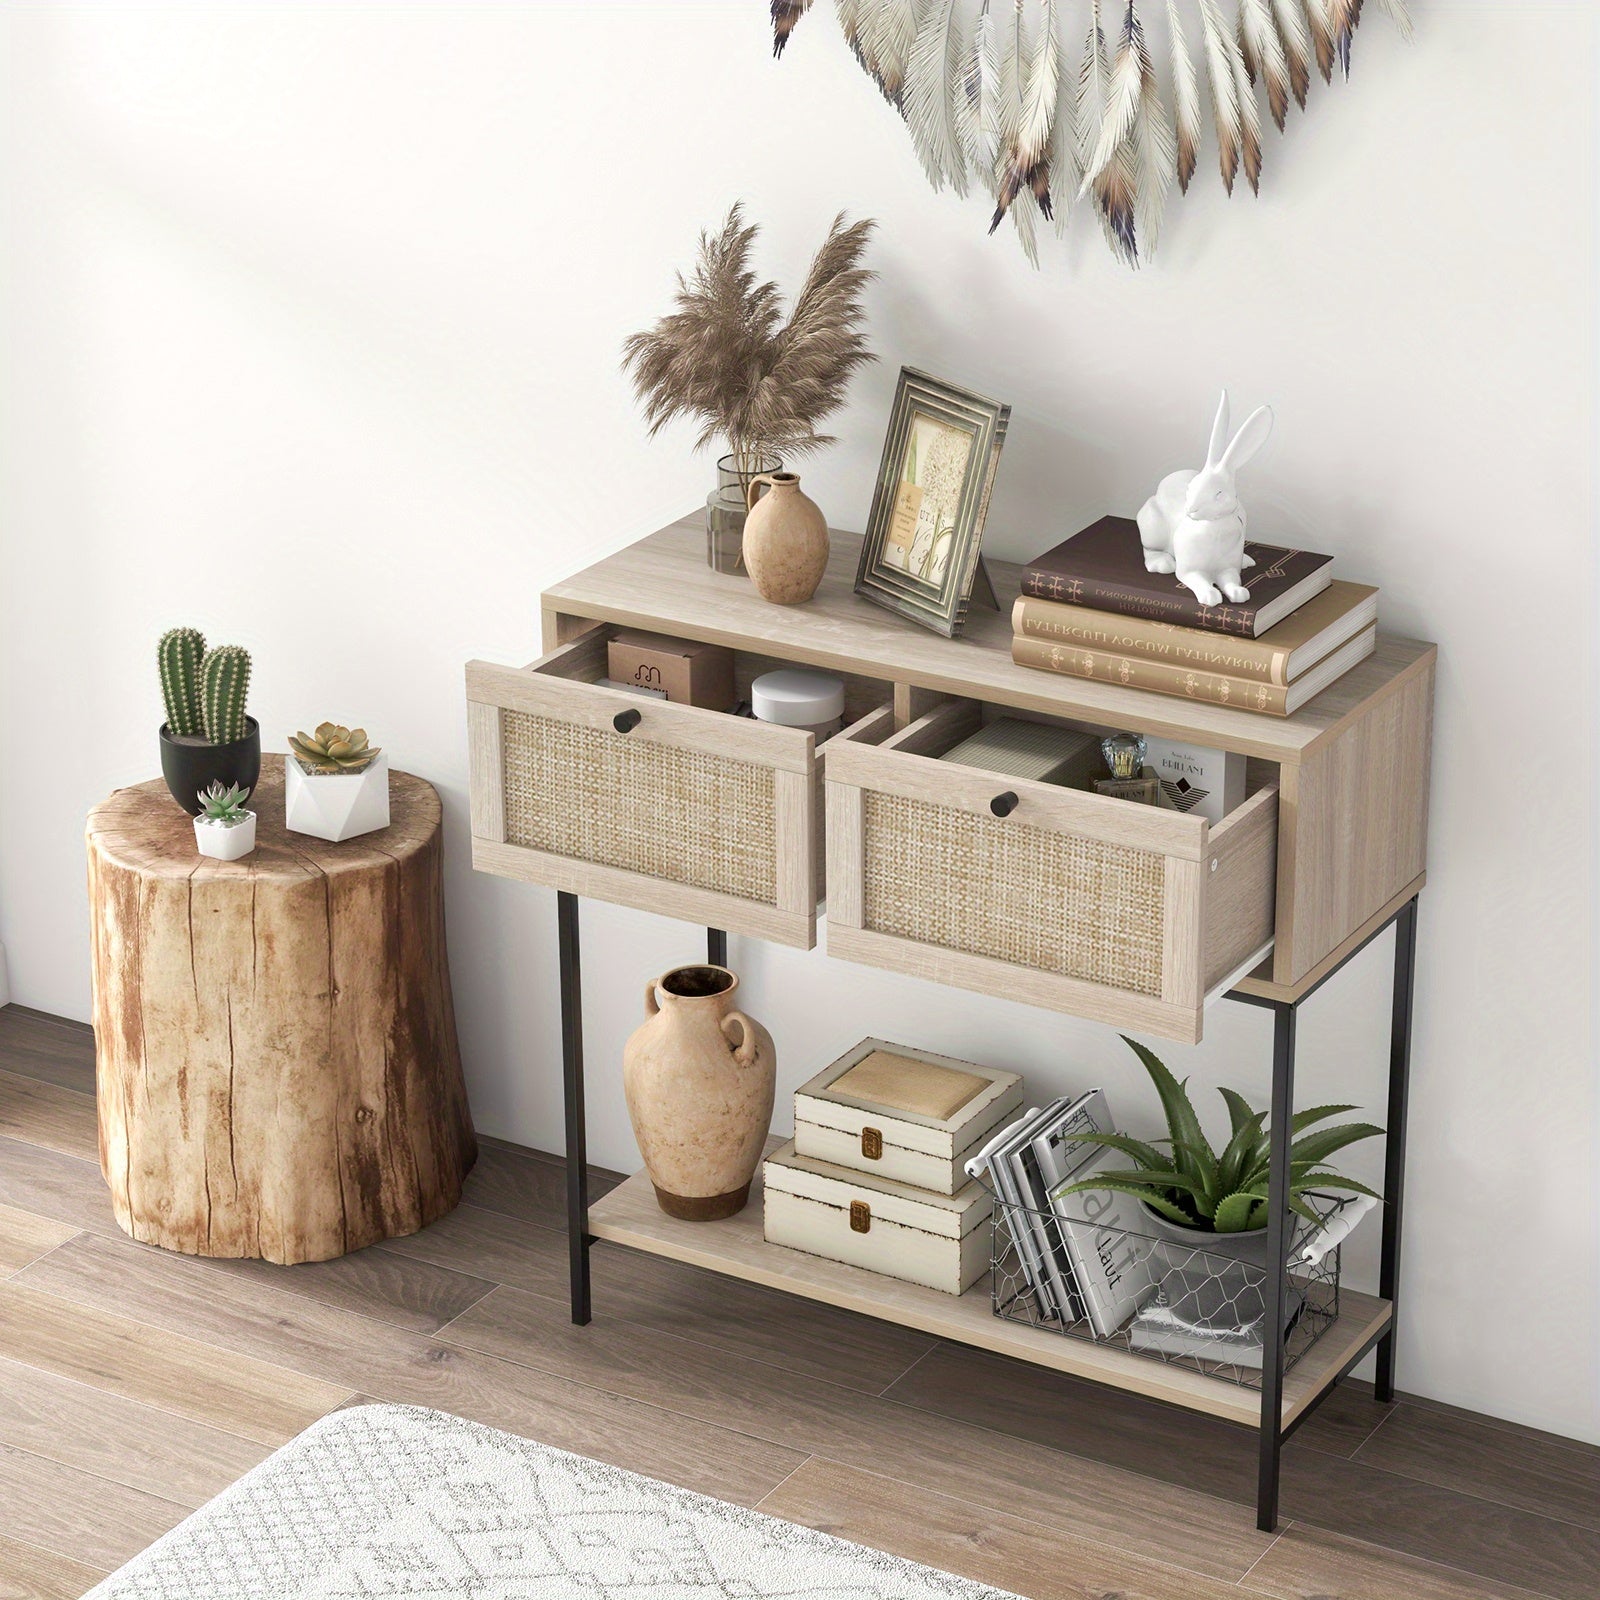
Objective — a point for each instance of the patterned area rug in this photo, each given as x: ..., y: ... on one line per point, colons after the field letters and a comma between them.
x: 389, y: 1501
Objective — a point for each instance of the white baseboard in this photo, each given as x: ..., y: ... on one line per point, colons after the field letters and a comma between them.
x: 5, y: 982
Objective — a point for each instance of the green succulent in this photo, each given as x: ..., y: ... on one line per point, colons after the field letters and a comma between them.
x: 1199, y: 1188
x: 224, y: 805
x: 333, y: 749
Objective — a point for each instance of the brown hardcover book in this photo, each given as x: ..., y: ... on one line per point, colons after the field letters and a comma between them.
x: 1103, y: 567
x: 1216, y: 688
x: 1278, y: 657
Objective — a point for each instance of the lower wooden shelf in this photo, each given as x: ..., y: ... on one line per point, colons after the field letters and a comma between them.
x: 630, y: 1216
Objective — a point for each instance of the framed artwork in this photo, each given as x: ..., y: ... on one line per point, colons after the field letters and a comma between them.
x: 920, y: 555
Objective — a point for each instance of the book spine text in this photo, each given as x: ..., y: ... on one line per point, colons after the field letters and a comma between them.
x: 1108, y: 667
x: 1181, y: 609
x: 1084, y: 629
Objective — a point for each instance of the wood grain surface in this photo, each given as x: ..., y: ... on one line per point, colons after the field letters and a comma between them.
x: 1015, y: 1476
x: 278, y: 1072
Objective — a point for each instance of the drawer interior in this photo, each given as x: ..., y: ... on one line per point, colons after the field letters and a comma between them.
x: 584, y: 661
x: 933, y: 737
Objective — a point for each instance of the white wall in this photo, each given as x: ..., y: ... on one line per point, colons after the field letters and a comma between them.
x: 311, y: 326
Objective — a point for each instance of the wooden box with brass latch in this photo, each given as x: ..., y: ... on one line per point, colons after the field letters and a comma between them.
x: 901, y: 1113
x: 940, y: 1241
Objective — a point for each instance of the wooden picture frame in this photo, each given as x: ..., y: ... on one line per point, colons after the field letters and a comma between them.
x: 920, y: 556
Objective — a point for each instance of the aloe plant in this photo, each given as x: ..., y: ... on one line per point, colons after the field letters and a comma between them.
x: 1190, y: 1183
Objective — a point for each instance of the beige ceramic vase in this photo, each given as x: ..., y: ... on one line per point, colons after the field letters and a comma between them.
x: 699, y: 1076
x: 785, y: 539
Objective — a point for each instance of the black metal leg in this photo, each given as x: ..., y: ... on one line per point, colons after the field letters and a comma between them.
x: 577, y: 1143
x: 1278, y: 1224
x: 716, y: 947
x: 1394, y: 1161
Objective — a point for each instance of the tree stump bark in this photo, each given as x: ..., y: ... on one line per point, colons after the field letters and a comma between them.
x: 277, y: 1073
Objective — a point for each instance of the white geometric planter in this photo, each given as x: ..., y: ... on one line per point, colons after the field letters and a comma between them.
x: 336, y: 805
x: 225, y: 843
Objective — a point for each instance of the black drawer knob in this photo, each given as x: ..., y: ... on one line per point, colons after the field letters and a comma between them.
x: 625, y: 721
x: 1003, y: 804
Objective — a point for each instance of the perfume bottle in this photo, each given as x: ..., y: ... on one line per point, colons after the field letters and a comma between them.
x: 1124, y: 753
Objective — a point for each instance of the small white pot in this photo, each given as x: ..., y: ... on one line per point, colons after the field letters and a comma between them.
x: 336, y: 805
x: 225, y: 842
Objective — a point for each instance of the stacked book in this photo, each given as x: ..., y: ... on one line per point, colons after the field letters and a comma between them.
x: 1088, y: 609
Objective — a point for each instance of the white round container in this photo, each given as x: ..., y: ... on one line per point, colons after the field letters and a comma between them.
x: 797, y: 699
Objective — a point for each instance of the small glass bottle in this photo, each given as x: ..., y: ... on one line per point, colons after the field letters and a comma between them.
x: 1124, y: 753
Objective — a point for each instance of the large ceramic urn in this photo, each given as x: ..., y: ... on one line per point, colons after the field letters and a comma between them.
x: 698, y: 1075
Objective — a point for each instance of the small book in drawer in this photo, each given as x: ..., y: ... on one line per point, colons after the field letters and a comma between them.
x: 903, y: 1114
x: 939, y: 1241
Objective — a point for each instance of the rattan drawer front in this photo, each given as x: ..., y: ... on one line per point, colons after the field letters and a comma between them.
x: 1023, y: 890
x: 680, y: 815
x: 670, y: 808
x: 1055, y: 902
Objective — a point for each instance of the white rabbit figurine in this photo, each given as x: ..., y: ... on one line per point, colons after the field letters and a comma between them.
x: 1193, y: 524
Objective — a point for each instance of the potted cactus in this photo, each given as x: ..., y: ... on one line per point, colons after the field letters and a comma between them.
x: 224, y: 830
x: 336, y: 785
x: 207, y: 738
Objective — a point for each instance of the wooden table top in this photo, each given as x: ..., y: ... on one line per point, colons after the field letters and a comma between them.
x: 662, y: 583
x: 143, y: 829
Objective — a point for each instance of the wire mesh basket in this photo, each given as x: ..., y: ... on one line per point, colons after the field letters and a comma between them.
x: 1157, y: 1294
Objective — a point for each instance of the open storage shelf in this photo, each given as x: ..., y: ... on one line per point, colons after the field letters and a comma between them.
x: 630, y: 1216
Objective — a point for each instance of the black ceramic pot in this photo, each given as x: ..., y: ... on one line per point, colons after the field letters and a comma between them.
x: 189, y: 768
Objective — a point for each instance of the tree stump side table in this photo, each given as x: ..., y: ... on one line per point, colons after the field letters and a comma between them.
x: 276, y: 1066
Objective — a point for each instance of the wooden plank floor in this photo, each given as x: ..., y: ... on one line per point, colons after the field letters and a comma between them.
x: 135, y: 1384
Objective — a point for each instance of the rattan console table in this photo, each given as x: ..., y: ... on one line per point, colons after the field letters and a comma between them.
x: 1125, y: 915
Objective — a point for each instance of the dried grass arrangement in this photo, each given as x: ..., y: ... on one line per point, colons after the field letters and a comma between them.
x: 728, y: 358
x: 1000, y: 94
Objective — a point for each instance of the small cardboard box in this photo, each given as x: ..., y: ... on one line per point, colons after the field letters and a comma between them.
x: 686, y: 672
x: 1194, y: 778
x: 905, y: 1114
x: 1037, y: 750
x: 940, y: 1241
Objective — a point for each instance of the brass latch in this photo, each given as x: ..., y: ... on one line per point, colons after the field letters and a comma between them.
x: 872, y: 1144
x: 860, y: 1216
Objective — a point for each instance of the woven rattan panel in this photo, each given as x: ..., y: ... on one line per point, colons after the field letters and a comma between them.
x: 1063, y: 904
x: 681, y: 815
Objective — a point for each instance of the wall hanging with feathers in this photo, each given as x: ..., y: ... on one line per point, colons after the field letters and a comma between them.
x: 998, y: 96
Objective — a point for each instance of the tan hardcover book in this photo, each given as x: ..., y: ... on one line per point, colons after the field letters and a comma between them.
x: 1278, y: 656
x: 1216, y: 688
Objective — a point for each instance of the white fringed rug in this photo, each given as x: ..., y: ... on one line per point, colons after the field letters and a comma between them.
x: 390, y: 1501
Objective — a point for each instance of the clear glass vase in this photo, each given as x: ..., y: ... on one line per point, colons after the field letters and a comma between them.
x: 725, y: 510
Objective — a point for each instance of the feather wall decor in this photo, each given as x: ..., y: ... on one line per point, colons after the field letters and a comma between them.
x: 999, y: 95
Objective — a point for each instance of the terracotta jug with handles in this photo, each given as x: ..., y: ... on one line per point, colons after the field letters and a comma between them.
x: 785, y: 539
x: 698, y: 1076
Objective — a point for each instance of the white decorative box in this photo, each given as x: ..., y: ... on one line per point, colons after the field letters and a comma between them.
x: 940, y: 1241
x: 336, y: 805
x: 903, y: 1114
x: 1194, y: 778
